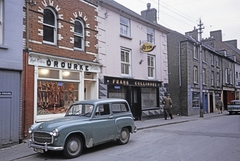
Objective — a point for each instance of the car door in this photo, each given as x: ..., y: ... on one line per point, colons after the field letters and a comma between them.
x: 103, y: 124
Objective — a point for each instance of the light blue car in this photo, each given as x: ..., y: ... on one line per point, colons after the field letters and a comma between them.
x: 233, y: 106
x: 86, y: 124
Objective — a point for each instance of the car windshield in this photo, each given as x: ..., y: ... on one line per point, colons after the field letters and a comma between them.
x: 80, y: 109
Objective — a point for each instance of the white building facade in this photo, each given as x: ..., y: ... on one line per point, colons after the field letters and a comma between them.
x: 133, y: 54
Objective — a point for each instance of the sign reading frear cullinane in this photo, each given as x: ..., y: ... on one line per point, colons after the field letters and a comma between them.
x: 131, y: 82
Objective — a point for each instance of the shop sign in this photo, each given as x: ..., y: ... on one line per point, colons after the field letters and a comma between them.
x: 61, y: 64
x: 131, y: 82
x: 147, y: 47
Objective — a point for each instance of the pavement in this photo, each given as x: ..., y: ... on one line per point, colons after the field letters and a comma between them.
x: 21, y: 150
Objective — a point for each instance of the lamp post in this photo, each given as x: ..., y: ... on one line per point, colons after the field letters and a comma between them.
x: 200, y: 70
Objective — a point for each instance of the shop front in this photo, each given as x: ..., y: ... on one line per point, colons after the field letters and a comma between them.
x: 142, y: 95
x: 59, y: 82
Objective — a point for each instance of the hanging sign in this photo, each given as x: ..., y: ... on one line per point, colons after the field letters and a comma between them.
x: 147, y: 47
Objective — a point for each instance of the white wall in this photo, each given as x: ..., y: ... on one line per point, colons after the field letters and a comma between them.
x: 110, y: 43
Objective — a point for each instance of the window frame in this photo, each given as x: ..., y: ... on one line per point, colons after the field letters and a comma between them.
x: 81, y: 36
x: 212, y: 59
x: 195, y: 53
x: 150, y: 35
x: 54, y: 27
x: 127, y: 26
x: 125, y: 63
x: 212, y: 78
x: 195, y: 75
x: 151, y: 67
x: 204, y: 76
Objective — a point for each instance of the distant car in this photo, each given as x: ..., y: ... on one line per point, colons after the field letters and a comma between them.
x: 233, y: 106
x: 86, y: 124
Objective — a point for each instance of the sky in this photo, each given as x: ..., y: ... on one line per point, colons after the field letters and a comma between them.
x: 183, y: 15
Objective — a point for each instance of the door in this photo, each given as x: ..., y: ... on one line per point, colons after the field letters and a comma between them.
x: 136, y: 105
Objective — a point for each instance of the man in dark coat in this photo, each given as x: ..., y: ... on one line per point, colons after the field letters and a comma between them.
x: 167, y: 101
x: 219, y: 105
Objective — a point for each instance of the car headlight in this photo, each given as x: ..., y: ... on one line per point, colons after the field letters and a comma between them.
x: 55, y: 132
x: 30, y: 130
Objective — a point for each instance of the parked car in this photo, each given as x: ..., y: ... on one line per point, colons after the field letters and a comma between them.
x: 233, y: 106
x: 86, y: 124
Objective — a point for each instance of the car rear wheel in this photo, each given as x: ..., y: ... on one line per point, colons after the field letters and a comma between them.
x: 73, y: 147
x: 124, y: 136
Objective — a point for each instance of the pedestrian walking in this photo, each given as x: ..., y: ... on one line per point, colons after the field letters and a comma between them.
x: 219, y: 105
x: 167, y: 101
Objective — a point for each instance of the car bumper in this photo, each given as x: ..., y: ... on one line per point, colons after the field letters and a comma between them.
x: 234, y: 109
x: 44, y: 147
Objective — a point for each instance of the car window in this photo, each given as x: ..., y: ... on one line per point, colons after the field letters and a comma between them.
x: 102, y: 109
x: 119, y: 107
x: 80, y: 109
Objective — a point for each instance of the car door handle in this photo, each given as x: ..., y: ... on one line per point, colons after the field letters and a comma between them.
x: 110, y: 117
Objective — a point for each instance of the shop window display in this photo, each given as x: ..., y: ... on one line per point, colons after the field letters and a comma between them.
x: 55, y: 97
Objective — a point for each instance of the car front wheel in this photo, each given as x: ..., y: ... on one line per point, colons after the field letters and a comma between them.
x: 73, y: 147
x: 124, y: 136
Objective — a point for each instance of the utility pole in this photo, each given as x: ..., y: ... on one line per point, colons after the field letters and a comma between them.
x: 200, y: 66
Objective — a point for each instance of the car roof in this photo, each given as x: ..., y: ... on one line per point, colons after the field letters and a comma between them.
x: 235, y: 101
x: 103, y: 100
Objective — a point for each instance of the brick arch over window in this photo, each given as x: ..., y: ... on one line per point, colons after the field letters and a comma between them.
x: 79, y: 34
x: 49, y: 26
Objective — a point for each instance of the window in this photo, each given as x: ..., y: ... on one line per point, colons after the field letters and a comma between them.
x: 151, y: 66
x: 195, y: 99
x: 102, y: 109
x: 79, y: 34
x: 228, y: 76
x: 49, y: 26
x: 204, y: 76
x: 124, y: 26
x: 119, y: 108
x: 218, y: 79
x: 212, y: 78
x: 1, y: 21
x: 217, y: 62
x: 195, y: 74
x: 125, y: 62
x: 236, y: 74
x: 212, y: 60
x: 150, y: 35
x: 195, y: 53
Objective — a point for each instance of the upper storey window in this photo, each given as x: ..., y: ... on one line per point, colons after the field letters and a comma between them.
x: 79, y: 35
x: 49, y: 26
x: 124, y: 26
x: 150, y: 35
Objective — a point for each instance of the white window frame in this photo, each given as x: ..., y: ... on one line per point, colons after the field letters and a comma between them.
x: 150, y: 35
x: 204, y: 76
x: 195, y: 53
x: 151, y: 66
x: 212, y: 78
x: 126, y: 62
x: 1, y: 21
x: 218, y: 79
x: 125, y: 26
x: 212, y: 60
x: 195, y: 74
x: 217, y: 62
x: 52, y: 26
x: 80, y: 35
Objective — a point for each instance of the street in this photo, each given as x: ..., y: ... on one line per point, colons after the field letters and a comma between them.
x: 215, y: 139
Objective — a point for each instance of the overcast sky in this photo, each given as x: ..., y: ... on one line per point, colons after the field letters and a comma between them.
x: 183, y: 15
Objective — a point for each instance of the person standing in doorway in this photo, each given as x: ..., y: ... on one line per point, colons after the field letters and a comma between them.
x: 219, y: 105
x: 167, y: 102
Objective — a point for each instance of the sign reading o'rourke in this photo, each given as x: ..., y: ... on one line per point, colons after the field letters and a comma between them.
x: 147, y: 47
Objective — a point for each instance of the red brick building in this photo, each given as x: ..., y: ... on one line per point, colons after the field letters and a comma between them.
x: 60, y: 57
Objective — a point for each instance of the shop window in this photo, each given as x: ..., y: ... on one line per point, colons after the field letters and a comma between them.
x: 148, y: 97
x: 124, y: 26
x: 70, y: 75
x: 55, y: 97
x: 195, y: 99
x: 79, y: 34
x: 116, y: 91
x: 49, y: 26
x: 47, y: 73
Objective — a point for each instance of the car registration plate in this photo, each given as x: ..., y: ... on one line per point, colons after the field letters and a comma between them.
x: 38, y: 150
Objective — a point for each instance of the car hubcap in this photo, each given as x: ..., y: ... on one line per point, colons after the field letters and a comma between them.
x: 124, y: 135
x: 73, y: 146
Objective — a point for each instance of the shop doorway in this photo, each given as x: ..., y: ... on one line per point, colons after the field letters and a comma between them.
x: 211, y: 103
x: 136, y: 103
